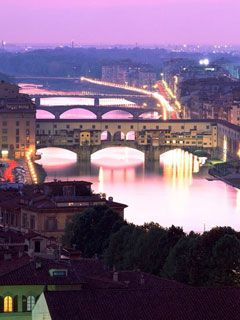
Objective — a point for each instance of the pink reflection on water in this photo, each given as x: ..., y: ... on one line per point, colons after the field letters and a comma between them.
x: 67, y: 101
x: 176, y: 196
x: 31, y: 89
x: 117, y: 157
x: 117, y: 114
x: 43, y: 114
x: 56, y: 157
x: 78, y: 114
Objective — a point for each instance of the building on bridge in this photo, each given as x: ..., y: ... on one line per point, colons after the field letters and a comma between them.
x: 153, y: 137
x: 17, y: 122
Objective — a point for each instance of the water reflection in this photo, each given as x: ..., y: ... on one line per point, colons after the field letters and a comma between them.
x: 175, y: 191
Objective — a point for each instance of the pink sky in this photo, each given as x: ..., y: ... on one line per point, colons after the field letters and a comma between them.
x: 120, y: 21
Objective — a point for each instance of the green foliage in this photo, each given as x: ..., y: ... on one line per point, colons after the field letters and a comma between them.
x: 90, y: 231
x: 178, y: 263
x: 210, y: 259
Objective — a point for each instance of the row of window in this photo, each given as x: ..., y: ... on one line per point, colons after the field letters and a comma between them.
x: 10, y: 304
x: 5, y: 123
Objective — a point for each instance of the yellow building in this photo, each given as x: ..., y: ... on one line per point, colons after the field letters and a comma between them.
x: 17, y: 122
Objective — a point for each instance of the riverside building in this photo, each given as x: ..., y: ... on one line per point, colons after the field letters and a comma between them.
x: 17, y: 122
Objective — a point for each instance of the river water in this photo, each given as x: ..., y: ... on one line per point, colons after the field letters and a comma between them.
x: 175, y: 192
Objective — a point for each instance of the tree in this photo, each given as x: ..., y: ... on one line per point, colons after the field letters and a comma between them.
x: 90, y: 230
x: 225, y: 262
x: 178, y: 263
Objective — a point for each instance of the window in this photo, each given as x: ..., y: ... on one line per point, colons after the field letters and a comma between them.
x: 67, y: 126
x: 8, y: 304
x: 30, y: 303
x: 4, y: 131
x: 119, y: 127
x: 17, y: 123
x: 106, y: 127
x: 4, y: 123
x: 27, y: 123
x: 93, y: 126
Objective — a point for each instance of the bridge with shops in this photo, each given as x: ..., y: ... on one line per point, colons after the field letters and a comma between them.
x: 153, y: 137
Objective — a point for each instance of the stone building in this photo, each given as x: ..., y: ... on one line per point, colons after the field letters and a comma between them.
x: 17, y: 122
x: 46, y: 208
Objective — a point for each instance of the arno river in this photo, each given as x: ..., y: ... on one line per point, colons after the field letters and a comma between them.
x: 175, y: 192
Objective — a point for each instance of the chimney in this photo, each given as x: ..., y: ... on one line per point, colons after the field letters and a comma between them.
x: 115, y: 276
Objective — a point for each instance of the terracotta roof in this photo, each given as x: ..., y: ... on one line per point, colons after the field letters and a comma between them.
x: 172, y: 303
x: 36, y: 272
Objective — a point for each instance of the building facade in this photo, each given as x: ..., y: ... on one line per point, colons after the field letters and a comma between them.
x: 17, y: 122
x: 48, y: 207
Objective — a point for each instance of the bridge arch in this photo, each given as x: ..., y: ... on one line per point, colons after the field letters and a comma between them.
x: 119, y: 136
x: 131, y: 135
x: 117, y: 114
x: 44, y: 114
x: 78, y: 113
x: 56, y: 156
x: 150, y: 115
x: 117, y: 157
x: 106, y: 136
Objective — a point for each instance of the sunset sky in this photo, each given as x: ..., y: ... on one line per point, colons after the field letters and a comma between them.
x: 120, y: 21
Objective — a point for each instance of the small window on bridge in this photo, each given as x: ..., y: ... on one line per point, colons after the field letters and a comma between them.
x: 119, y: 127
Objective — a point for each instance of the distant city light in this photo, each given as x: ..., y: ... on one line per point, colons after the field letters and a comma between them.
x: 204, y: 62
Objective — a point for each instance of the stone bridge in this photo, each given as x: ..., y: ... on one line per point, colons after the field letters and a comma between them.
x: 153, y: 137
x: 99, y: 111
x: 138, y: 99
x: 84, y: 153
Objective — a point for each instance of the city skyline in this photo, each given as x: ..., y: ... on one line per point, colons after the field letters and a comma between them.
x: 107, y: 22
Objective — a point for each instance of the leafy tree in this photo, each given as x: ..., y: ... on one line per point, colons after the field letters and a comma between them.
x: 202, y: 253
x: 90, y: 230
x: 178, y: 263
x: 225, y: 261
